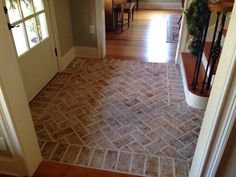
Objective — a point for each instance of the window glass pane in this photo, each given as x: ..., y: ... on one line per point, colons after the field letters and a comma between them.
x: 26, y: 7
x: 38, y: 5
x: 31, y: 29
x: 42, y: 26
x: 13, y: 10
x: 19, y: 39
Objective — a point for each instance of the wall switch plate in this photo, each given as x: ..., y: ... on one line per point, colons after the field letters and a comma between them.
x: 91, y: 29
x: 3, y: 146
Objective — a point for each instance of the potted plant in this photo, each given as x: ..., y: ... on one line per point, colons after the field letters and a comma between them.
x: 197, y: 17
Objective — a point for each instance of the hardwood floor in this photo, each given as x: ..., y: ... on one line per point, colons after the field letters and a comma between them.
x: 51, y: 169
x: 4, y: 176
x: 145, y: 40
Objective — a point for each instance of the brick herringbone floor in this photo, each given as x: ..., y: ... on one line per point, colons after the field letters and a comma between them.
x: 117, y: 115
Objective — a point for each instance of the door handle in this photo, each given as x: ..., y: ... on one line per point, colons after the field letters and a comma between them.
x: 12, y: 26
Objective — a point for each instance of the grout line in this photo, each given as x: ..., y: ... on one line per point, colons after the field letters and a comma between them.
x: 131, y: 163
x: 77, y: 156
x: 44, y: 143
x: 159, y: 167
x: 54, y: 150
x: 117, y: 161
x: 104, y: 159
x: 91, y: 156
x: 145, y: 164
x: 173, y: 166
x: 188, y: 167
x: 67, y: 149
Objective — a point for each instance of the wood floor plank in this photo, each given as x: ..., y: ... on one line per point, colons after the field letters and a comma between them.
x: 50, y: 169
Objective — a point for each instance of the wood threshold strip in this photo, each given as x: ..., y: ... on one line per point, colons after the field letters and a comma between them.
x: 51, y: 169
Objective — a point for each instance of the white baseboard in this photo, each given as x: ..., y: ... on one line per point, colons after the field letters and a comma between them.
x: 88, y: 52
x: 8, y: 166
x: 192, y: 100
x: 160, y: 5
x: 67, y: 58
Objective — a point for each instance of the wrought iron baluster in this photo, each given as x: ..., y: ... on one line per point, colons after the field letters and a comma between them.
x: 216, y: 52
x: 212, y: 45
x: 199, y: 58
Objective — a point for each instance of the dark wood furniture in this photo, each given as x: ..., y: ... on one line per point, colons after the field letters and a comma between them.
x: 108, y: 15
x: 114, y: 10
x: 136, y: 3
x: 129, y: 9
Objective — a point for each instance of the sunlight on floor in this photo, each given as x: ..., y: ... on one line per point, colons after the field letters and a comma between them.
x: 157, y: 37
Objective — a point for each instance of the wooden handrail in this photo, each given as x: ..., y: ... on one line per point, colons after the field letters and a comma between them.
x: 221, y: 7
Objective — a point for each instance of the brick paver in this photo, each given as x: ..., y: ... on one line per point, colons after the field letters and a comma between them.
x: 118, y: 111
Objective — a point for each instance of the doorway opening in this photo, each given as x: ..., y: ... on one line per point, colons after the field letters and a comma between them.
x: 149, y: 35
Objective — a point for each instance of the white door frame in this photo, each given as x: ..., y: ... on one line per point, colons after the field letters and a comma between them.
x: 14, y: 165
x: 100, y: 28
x: 17, y: 117
x: 55, y: 33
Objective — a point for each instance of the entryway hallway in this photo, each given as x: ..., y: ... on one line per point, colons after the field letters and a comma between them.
x: 125, y: 116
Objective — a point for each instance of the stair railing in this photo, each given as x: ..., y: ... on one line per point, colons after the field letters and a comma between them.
x: 221, y: 9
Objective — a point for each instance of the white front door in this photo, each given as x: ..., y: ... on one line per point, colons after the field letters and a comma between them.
x: 30, y: 23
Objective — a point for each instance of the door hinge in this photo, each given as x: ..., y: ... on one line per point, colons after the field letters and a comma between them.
x: 56, y: 52
x: 5, y: 9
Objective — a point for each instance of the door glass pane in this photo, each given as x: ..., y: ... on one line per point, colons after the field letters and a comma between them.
x: 26, y: 7
x: 19, y: 39
x: 31, y: 29
x: 38, y: 5
x: 42, y: 26
x: 13, y: 10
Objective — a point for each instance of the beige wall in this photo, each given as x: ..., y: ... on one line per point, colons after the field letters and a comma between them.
x: 64, y: 26
x: 213, y: 19
x: 83, y: 14
x: 3, y: 153
x: 160, y: 4
x: 228, y: 162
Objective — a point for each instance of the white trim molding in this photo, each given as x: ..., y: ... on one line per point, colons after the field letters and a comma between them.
x: 55, y: 33
x: 193, y: 100
x: 100, y: 28
x: 223, y: 132
x: 67, y: 59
